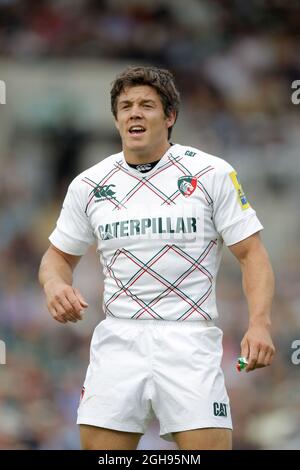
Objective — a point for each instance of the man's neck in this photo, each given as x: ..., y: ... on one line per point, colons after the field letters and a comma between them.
x: 147, y: 156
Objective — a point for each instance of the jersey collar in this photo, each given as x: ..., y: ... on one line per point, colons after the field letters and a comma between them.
x: 161, y: 162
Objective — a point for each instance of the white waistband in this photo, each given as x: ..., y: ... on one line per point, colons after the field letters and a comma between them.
x: 162, y: 323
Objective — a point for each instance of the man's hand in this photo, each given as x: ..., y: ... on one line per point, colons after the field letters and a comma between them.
x: 64, y: 302
x: 258, y: 284
x: 257, y: 347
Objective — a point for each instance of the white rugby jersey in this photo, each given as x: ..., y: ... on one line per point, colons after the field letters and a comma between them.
x: 159, y: 234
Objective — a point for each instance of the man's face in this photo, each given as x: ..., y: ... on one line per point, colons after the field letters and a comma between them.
x: 141, y: 121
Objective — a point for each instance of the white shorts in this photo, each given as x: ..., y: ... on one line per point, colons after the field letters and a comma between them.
x: 139, y: 369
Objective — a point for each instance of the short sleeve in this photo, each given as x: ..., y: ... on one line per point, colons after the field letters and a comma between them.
x: 233, y: 216
x: 73, y: 233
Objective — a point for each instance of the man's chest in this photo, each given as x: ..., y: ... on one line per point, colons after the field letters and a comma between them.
x: 165, y: 203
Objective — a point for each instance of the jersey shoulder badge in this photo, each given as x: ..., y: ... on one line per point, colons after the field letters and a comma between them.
x: 240, y: 193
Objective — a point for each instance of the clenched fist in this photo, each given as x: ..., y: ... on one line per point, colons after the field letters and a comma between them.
x: 64, y: 302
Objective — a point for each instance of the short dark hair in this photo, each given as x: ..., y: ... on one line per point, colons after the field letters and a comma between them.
x: 161, y: 80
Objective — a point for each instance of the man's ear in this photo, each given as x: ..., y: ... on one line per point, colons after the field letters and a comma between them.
x: 117, y: 124
x: 170, y: 120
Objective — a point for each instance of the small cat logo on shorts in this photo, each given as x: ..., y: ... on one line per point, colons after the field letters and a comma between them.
x: 220, y: 409
x: 187, y: 185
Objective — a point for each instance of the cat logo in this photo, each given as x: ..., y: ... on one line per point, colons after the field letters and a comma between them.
x: 220, y: 409
x: 189, y: 153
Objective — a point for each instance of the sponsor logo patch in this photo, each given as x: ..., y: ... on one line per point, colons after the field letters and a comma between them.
x: 104, y: 192
x: 189, y: 153
x: 238, y: 187
x: 144, y: 167
x: 187, y: 185
x: 220, y: 409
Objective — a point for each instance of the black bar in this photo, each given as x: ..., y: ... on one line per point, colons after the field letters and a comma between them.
x: 134, y: 459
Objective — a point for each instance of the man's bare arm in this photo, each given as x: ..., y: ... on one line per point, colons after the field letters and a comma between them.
x: 64, y: 302
x: 258, y: 286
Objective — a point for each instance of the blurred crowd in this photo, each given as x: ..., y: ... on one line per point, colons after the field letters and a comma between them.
x: 234, y: 62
